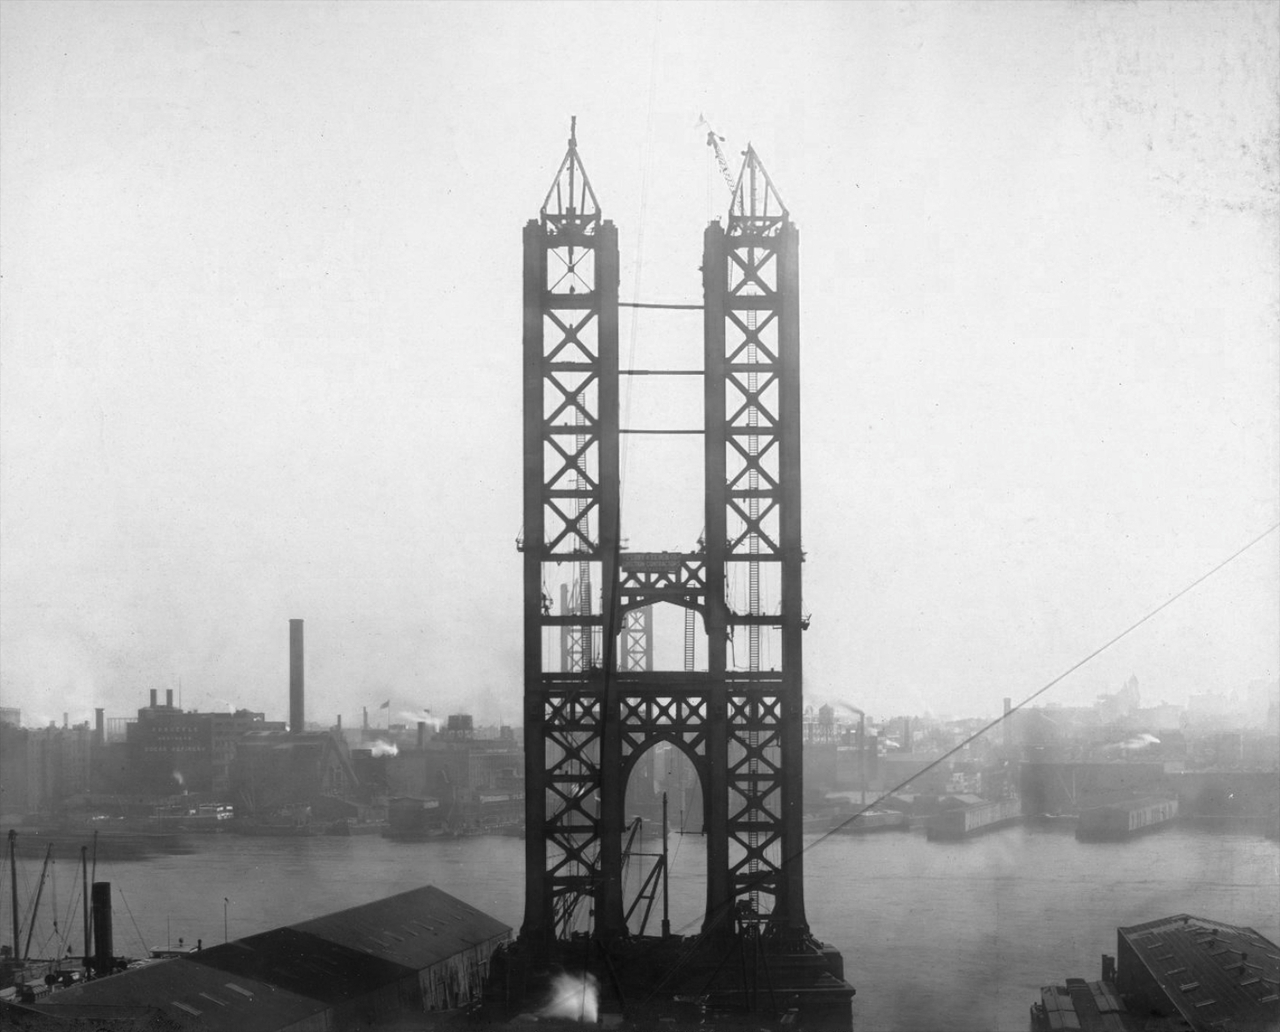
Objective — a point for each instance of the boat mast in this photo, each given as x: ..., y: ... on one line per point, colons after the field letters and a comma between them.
x: 84, y: 889
x: 666, y: 902
x: 13, y: 871
x: 44, y: 870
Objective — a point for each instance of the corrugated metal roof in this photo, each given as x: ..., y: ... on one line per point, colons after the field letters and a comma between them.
x: 416, y: 929
x: 1217, y: 976
x: 1087, y: 1006
x: 304, y: 964
x: 191, y: 995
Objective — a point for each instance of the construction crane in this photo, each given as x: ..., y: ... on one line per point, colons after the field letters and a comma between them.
x: 713, y: 141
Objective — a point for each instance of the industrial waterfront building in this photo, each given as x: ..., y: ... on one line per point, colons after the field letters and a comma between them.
x: 1174, y: 974
x: 417, y: 953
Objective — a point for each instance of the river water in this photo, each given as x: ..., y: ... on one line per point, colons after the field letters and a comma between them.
x: 935, y: 936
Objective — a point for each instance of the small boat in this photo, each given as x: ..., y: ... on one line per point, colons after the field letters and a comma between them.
x: 286, y: 823
x: 351, y: 826
x: 205, y: 819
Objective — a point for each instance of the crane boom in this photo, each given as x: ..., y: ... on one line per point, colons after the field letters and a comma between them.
x: 713, y: 141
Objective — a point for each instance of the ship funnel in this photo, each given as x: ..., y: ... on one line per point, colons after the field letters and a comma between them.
x: 102, y: 946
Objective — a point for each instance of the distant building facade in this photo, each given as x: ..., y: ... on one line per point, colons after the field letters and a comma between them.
x: 40, y: 768
x: 171, y: 751
x: 277, y: 771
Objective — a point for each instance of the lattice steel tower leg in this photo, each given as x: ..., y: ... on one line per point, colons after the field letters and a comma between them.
x: 573, y: 801
x: 752, y: 426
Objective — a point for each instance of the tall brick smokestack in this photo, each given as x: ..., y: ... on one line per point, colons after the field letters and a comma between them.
x: 297, y: 705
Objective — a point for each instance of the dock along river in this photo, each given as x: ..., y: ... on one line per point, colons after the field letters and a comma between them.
x: 935, y: 935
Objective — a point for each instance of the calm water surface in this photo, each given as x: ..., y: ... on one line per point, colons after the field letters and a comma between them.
x: 935, y: 936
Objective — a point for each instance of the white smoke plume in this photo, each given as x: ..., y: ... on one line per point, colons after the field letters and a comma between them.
x: 573, y: 996
x: 381, y: 748
x: 410, y: 719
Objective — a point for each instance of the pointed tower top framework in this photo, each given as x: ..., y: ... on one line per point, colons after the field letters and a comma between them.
x: 756, y: 204
x: 571, y: 206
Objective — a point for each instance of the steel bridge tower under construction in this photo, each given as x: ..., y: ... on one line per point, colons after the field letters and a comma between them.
x: 593, y: 704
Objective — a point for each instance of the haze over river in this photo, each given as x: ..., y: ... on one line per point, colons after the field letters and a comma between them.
x: 935, y: 936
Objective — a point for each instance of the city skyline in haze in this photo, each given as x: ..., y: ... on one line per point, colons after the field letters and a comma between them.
x: 261, y: 336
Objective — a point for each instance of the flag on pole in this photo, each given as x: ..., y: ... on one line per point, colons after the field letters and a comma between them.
x: 385, y: 705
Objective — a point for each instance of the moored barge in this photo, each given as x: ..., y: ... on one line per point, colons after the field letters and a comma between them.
x: 1118, y: 821
x: 963, y: 821
x: 862, y: 822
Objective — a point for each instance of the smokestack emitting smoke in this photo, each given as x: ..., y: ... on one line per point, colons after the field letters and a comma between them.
x: 297, y: 712
x: 422, y: 734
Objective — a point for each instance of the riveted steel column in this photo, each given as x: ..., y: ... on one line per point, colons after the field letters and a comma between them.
x: 610, y: 922
x: 718, y: 918
x: 792, y: 918
x: 538, y: 923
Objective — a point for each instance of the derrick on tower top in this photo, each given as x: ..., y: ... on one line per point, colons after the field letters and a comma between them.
x: 571, y: 207
x: 756, y: 205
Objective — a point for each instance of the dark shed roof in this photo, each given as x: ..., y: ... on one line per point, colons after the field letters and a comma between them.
x: 416, y: 929
x: 303, y: 964
x: 1217, y: 976
x: 189, y: 995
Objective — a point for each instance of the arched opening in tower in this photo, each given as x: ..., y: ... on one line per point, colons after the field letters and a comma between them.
x: 664, y: 768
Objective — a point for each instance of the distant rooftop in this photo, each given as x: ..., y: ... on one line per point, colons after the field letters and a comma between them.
x: 1174, y: 974
x: 1217, y: 976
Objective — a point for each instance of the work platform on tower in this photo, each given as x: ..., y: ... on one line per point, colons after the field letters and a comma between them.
x: 593, y: 702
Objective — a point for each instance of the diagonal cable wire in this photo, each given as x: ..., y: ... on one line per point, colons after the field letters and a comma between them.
x: 1033, y: 696
x: 1044, y: 688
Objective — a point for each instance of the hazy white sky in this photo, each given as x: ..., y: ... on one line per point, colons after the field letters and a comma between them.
x: 261, y: 335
